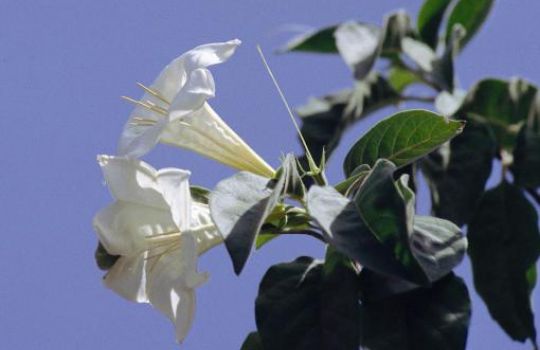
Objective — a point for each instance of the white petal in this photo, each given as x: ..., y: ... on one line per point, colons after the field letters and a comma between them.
x: 185, y: 313
x: 208, y: 238
x: 204, y: 132
x: 199, y: 87
x: 125, y: 228
x: 138, y: 139
x: 173, y: 272
x: 132, y: 180
x: 210, y: 54
x: 127, y: 277
x: 173, y: 77
x: 174, y: 186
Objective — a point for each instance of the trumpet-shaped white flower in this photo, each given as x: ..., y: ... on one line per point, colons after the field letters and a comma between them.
x: 174, y: 111
x: 158, y: 232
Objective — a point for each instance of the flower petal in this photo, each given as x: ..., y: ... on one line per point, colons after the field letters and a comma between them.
x: 132, y: 180
x: 174, y: 186
x: 199, y: 87
x: 127, y: 277
x: 210, y: 54
x: 138, y: 139
x: 125, y: 228
x: 185, y: 313
x: 208, y: 238
x: 173, y: 272
x: 204, y: 132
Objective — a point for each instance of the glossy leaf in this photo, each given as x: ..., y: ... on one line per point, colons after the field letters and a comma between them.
x: 239, y: 206
x: 429, y: 20
x: 504, y: 244
x: 325, y: 119
x: 301, y: 307
x: 402, y: 139
x: 424, y: 319
x: 457, y: 173
x: 470, y: 14
x: 438, y: 245
x: 345, y: 230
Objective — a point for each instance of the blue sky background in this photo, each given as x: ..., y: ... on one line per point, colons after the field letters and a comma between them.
x: 63, y: 66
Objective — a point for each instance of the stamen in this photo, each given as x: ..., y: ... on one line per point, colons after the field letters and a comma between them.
x: 154, y: 93
x: 143, y: 122
x: 144, y: 104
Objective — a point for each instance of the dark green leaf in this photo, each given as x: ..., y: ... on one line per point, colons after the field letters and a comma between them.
x: 387, y: 213
x: 300, y: 307
x: 526, y: 167
x: 318, y: 41
x: 429, y: 20
x: 325, y: 119
x: 424, y: 319
x: 239, y: 206
x: 504, y: 105
x: 402, y: 139
x: 345, y: 230
x: 443, y: 67
x: 504, y: 244
x: 252, y: 342
x: 438, y: 245
x: 104, y: 260
x: 457, y: 173
x: 470, y: 14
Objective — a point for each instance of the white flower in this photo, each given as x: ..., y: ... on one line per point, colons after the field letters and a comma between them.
x: 174, y: 111
x: 159, y: 232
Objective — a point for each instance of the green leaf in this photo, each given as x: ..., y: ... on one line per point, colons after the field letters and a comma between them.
x: 359, y: 44
x: 438, y: 245
x: 504, y: 244
x: 469, y: 14
x: 457, y: 173
x: 325, y: 119
x: 239, y: 206
x: 424, y: 319
x: 199, y: 194
x: 387, y: 214
x: 253, y: 342
x: 503, y: 105
x: 300, y: 307
x: 400, y: 78
x: 345, y: 230
x: 402, y: 139
x: 318, y: 41
x: 104, y: 260
x: 429, y: 20
x: 526, y: 166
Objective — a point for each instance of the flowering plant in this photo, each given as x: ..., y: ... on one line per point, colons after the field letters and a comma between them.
x: 386, y: 280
